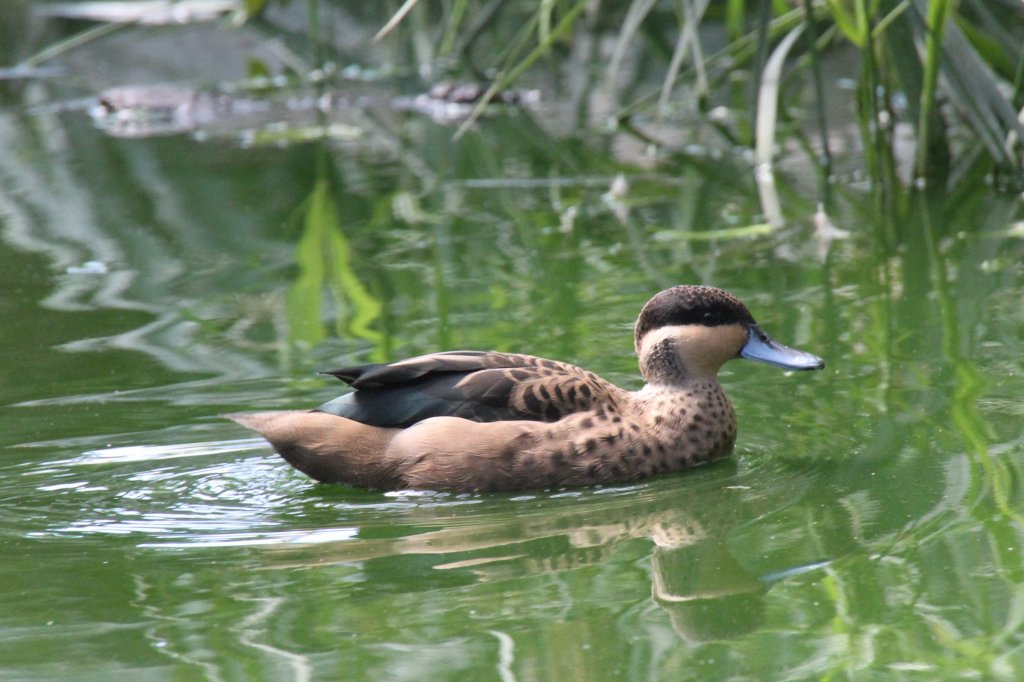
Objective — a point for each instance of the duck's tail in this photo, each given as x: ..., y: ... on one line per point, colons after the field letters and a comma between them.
x: 328, y: 448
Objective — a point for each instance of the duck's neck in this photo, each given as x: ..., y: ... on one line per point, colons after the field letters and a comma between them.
x: 662, y: 366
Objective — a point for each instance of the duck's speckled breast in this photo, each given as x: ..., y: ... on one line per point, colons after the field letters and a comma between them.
x: 697, y: 419
x: 656, y: 430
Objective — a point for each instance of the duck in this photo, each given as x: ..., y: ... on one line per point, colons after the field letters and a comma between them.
x: 475, y: 421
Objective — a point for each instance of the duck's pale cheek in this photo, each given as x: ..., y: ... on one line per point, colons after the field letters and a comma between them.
x: 704, y: 350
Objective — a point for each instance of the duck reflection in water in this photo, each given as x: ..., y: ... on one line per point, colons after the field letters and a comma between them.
x: 584, y: 541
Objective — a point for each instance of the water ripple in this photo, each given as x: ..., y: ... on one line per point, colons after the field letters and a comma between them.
x: 147, y: 453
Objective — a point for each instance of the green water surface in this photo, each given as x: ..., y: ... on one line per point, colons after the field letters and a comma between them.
x: 868, y: 525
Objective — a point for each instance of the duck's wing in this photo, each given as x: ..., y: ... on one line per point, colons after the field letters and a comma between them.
x: 477, y: 385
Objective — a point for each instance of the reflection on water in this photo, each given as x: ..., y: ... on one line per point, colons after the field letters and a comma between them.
x: 202, y: 497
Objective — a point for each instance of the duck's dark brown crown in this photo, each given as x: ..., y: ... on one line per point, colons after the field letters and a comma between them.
x: 691, y: 304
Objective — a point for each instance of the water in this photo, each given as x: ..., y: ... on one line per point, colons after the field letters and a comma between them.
x: 868, y: 525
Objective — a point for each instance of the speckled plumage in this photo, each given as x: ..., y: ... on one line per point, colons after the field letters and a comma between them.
x: 471, y: 420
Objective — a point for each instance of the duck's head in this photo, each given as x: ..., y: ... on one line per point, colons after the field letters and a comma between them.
x: 690, y: 331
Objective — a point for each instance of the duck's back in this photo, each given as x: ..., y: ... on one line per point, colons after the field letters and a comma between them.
x: 476, y: 385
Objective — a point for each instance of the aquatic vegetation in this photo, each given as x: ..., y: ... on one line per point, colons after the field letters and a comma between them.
x: 938, y: 84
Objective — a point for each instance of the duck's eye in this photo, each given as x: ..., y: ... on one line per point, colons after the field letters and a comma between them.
x: 711, y: 318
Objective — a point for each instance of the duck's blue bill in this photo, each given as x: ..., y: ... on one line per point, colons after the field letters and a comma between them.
x: 763, y: 348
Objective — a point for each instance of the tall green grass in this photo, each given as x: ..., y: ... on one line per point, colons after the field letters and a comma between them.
x: 951, y: 71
